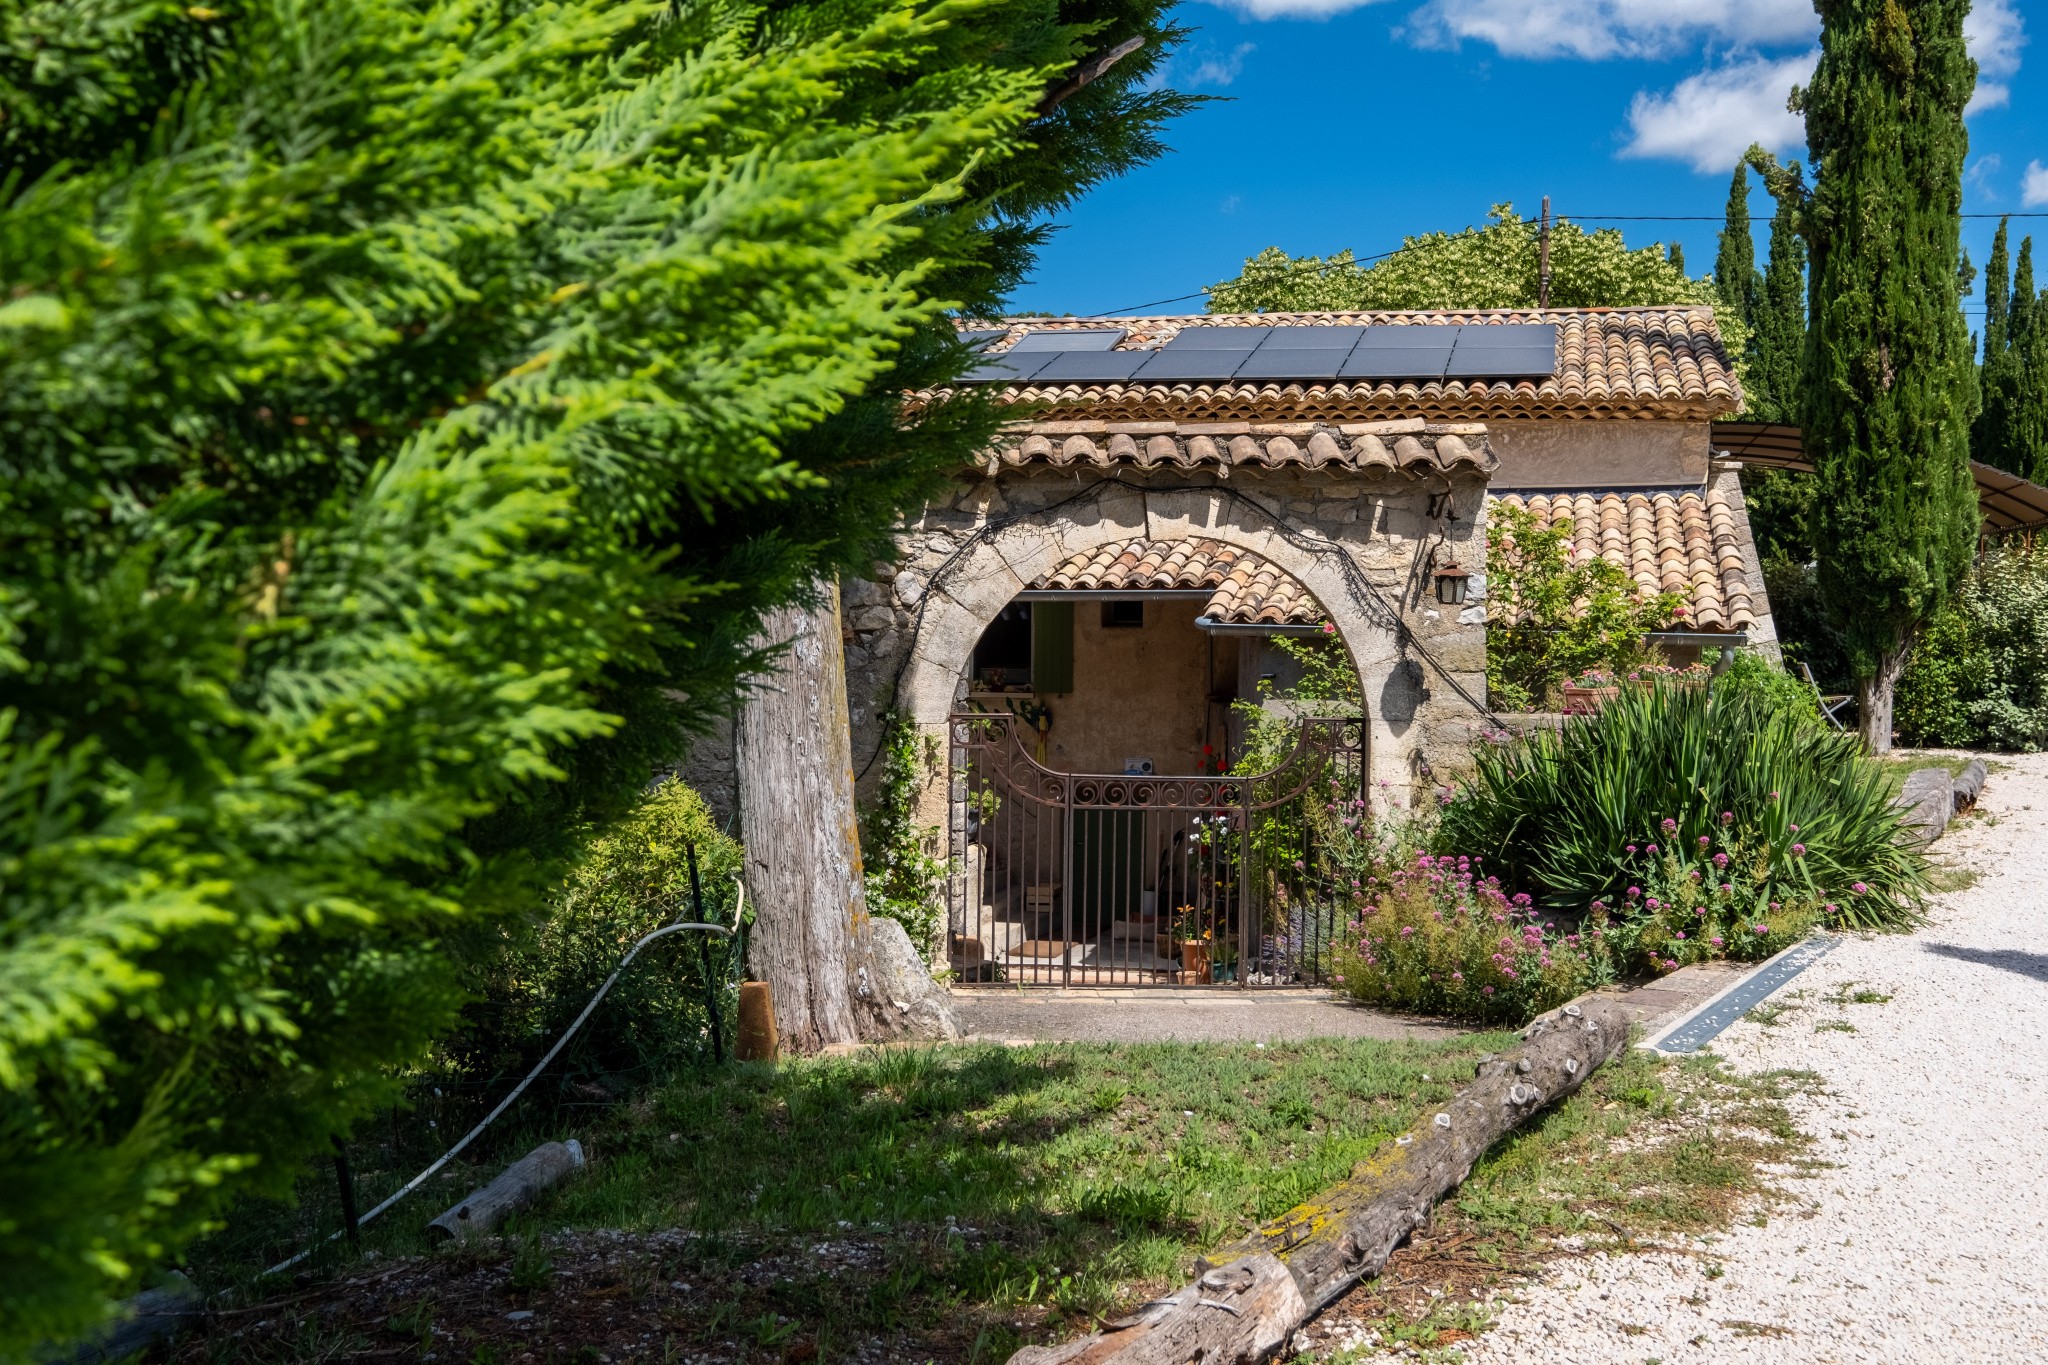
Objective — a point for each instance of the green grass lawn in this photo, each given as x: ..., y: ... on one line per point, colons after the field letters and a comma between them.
x: 951, y: 1204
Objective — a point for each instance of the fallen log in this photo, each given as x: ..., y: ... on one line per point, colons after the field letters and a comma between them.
x: 1970, y: 784
x: 1236, y: 1313
x: 521, y: 1183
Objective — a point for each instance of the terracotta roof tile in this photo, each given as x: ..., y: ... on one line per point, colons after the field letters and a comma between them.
x: 1668, y: 541
x: 1648, y: 362
x: 1243, y: 589
x: 1364, y: 447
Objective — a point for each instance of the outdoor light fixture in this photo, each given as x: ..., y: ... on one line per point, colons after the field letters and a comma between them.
x: 1450, y: 585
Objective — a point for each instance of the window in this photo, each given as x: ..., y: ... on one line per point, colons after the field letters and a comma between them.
x: 1002, y: 658
x: 1125, y: 615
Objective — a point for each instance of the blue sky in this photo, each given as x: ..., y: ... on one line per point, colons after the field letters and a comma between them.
x: 1350, y: 123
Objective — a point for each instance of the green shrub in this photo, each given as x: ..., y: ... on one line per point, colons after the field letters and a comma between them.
x: 1436, y: 936
x: 904, y: 875
x: 1556, y: 618
x: 1555, y: 813
x: 1771, y: 687
x: 1978, y: 673
x: 529, y: 984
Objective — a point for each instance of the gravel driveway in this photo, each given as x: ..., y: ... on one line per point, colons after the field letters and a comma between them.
x: 1926, y: 1240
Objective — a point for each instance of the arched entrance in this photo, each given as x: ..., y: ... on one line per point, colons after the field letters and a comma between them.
x: 1090, y: 859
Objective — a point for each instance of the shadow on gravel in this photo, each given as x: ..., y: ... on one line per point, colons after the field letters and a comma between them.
x: 2033, y: 965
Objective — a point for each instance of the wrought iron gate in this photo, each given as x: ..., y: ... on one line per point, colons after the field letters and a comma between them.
x: 1100, y: 880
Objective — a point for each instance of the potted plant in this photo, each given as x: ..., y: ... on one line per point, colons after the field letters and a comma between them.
x: 1590, y: 691
x: 1194, y: 944
x: 1223, y: 960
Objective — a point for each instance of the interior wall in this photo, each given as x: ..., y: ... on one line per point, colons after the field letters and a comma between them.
x: 1143, y: 692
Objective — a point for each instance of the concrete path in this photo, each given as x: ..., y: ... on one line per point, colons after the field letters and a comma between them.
x: 1226, y: 1015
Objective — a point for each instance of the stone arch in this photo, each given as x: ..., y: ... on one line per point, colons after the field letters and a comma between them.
x: 959, y: 605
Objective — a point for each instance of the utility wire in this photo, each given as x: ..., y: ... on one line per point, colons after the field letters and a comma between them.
x: 531, y: 1076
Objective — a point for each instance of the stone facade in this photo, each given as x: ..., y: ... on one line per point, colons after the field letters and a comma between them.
x: 1361, y: 545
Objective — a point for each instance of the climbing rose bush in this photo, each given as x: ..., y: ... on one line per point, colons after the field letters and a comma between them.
x: 1437, y: 936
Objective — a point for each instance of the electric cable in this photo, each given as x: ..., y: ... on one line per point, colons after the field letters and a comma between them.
x: 540, y: 1066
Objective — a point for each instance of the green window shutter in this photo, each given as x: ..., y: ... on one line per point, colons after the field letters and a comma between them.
x: 1052, y: 646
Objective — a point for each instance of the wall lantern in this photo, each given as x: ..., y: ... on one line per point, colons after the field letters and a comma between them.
x: 1450, y: 585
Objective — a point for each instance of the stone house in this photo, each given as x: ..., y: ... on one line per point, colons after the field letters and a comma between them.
x: 1176, y: 493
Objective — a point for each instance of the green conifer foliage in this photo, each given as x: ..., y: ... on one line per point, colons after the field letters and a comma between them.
x: 1735, y: 275
x: 2012, y: 432
x: 1777, y: 500
x: 1889, y: 382
x: 407, y: 401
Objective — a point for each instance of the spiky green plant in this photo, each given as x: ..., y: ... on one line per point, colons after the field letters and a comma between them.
x: 1564, y: 814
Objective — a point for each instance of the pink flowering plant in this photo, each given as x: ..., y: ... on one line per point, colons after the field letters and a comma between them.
x: 1719, y: 894
x: 1434, y: 934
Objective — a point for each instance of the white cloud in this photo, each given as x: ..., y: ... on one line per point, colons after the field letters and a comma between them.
x: 1709, y: 119
x: 1979, y: 172
x: 1613, y: 28
x: 1223, y: 70
x: 2034, y: 185
x: 1995, y: 33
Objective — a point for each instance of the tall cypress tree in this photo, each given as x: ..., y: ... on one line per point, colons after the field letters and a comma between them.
x: 1778, y: 501
x: 1735, y: 264
x: 1889, y: 377
x: 1990, y: 435
x: 2026, y: 396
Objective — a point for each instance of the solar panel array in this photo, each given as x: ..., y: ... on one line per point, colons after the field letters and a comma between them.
x: 1423, y: 351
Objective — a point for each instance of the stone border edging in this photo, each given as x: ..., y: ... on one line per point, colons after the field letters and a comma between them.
x: 1717, y: 1015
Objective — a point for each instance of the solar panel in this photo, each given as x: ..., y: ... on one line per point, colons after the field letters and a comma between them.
x: 1091, y: 340
x: 1009, y: 368
x: 1245, y: 339
x: 1292, y: 363
x: 1390, y: 352
x: 982, y: 336
x: 1095, y: 367
x: 1312, y: 338
x: 1190, y: 365
x: 1510, y: 350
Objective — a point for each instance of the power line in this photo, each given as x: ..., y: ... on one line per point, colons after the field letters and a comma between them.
x: 1322, y: 269
x: 1722, y: 218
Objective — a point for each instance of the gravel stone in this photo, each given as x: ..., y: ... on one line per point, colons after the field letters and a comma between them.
x: 1923, y: 1239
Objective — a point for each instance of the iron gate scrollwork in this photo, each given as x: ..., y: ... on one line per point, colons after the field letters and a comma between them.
x: 1099, y: 879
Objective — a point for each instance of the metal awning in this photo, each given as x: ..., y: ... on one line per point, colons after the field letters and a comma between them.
x: 2009, y: 502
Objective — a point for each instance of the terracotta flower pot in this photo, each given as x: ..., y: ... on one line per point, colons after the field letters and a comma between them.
x: 1584, y: 701
x: 1194, y: 960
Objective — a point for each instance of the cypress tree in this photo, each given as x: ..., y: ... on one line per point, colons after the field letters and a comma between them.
x: 2026, y: 430
x: 1735, y: 264
x: 1889, y: 378
x: 1677, y: 257
x: 1998, y: 375
x: 1778, y: 501
x: 411, y: 416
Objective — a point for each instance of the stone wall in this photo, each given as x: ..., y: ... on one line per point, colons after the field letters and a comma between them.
x: 1360, y: 544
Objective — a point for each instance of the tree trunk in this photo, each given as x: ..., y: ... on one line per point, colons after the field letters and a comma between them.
x: 1233, y: 1315
x: 833, y: 979
x: 1874, y: 698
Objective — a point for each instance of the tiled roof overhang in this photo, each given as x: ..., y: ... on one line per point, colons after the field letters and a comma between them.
x: 1677, y: 541
x: 2007, y: 501
x: 1663, y: 362
x: 1408, y: 447
x: 1244, y: 589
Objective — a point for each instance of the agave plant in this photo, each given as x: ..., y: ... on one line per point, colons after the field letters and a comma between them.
x: 1565, y: 815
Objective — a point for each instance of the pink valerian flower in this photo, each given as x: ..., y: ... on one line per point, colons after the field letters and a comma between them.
x: 1727, y: 889
x: 1653, y: 902
x: 1799, y: 850
x: 1486, y: 990
x: 1681, y: 933
x: 1727, y: 817
x: 1634, y: 891
x: 1704, y: 841
x: 1457, y: 976
x: 1860, y: 889
x: 1669, y: 826
x: 1407, y: 931
x: 1631, y: 848
x: 1774, y: 796
x: 1763, y: 928
x: 1715, y: 940
x: 1795, y: 829
x: 1651, y: 849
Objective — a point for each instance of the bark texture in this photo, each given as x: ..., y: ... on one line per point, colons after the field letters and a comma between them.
x: 521, y: 1183
x: 1874, y: 700
x: 831, y: 980
x: 1327, y: 1246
